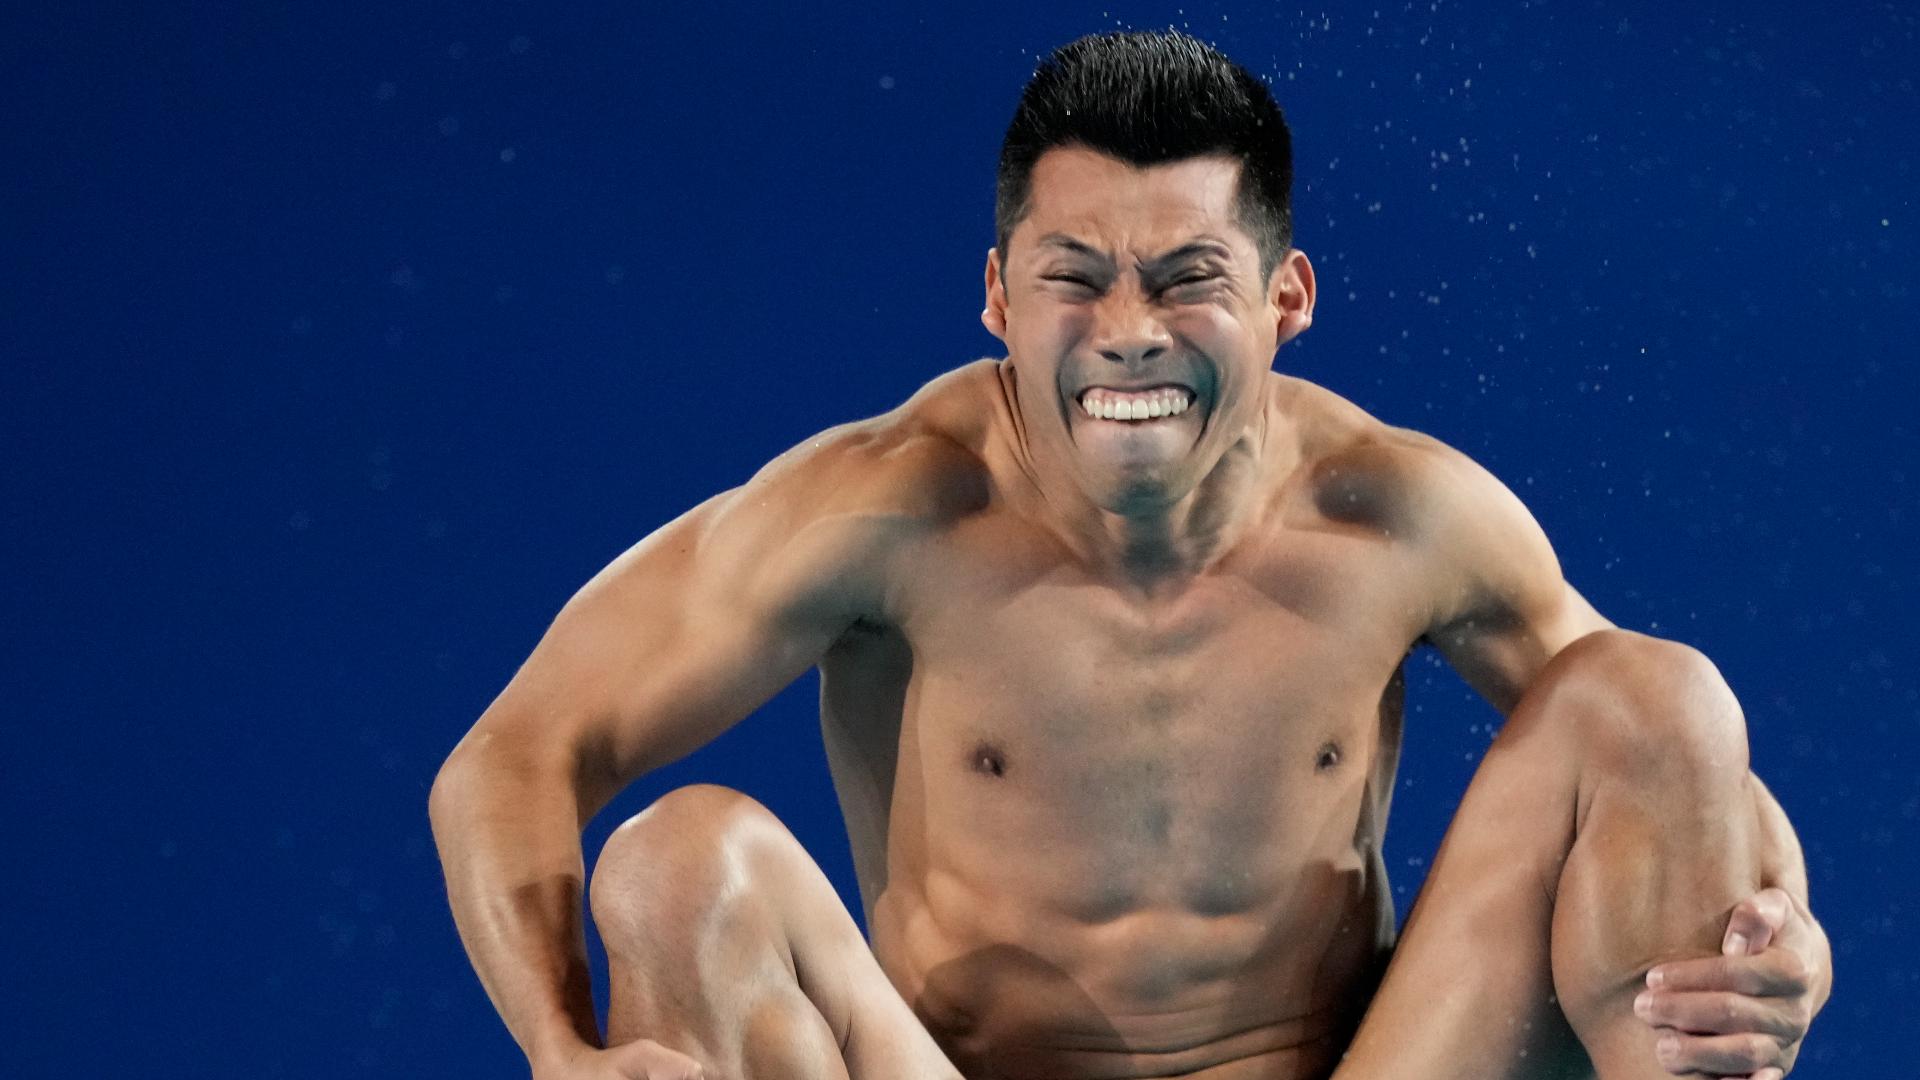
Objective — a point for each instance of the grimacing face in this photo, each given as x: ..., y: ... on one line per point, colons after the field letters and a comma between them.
x: 1136, y: 324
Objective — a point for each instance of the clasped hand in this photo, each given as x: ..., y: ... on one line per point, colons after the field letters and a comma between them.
x: 1744, y: 1012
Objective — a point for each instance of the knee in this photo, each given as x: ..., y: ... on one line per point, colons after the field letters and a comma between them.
x: 680, y: 855
x: 1647, y: 708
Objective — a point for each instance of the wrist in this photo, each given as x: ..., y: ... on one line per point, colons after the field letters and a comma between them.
x: 554, y: 1044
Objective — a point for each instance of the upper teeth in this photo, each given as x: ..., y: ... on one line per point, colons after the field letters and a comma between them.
x: 1103, y: 404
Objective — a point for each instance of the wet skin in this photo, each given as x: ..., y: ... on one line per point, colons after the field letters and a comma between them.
x: 1111, y: 703
x: 1115, y: 755
x: 1104, y: 826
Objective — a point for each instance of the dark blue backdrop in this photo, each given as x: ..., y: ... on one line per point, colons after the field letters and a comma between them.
x: 340, y: 346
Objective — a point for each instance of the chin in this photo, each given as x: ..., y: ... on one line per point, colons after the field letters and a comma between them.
x: 1141, y: 493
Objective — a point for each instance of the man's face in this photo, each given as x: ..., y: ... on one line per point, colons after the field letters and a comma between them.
x: 1136, y: 293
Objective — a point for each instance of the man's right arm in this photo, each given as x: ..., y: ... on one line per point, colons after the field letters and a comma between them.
x: 674, y: 642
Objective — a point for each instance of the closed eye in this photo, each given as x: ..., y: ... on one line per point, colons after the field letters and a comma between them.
x: 1190, y: 286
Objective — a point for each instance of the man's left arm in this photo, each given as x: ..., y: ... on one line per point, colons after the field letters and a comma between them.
x: 1502, y: 610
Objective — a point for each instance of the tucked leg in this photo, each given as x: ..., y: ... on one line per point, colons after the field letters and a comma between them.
x: 1612, y: 825
x: 726, y: 942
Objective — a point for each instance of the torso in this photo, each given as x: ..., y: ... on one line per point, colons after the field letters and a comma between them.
x: 1118, y: 833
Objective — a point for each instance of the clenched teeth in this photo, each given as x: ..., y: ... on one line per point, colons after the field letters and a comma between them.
x: 1101, y: 403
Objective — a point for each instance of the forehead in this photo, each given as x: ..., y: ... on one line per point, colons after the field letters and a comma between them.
x: 1110, y: 204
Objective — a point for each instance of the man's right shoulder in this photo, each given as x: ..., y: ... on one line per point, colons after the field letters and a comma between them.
x: 819, y: 531
x: 920, y: 464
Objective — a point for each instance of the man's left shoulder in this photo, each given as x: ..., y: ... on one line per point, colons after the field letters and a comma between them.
x: 1363, y: 470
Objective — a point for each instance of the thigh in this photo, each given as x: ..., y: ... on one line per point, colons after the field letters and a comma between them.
x: 1469, y: 992
x: 726, y: 941
x: 1610, y: 827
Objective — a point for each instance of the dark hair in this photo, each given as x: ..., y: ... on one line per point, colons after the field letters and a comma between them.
x: 1148, y: 97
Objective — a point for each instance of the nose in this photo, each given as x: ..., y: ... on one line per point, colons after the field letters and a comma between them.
x: 1127, y: 330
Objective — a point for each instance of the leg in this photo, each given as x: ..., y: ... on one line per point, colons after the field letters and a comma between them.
x: 1612, y: 826
x: 727, y: 943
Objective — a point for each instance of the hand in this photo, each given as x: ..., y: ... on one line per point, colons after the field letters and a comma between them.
x: 1744, y: 1012
x: 642, y: 1059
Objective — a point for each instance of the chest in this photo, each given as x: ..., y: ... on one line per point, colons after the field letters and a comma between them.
x: 1307, y: 621
x: 1030, y: 674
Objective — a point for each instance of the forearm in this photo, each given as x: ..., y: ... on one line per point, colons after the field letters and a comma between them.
x: 509, y: 840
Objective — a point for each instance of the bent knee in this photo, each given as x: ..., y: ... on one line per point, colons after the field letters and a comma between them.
x: 684, y: 852
x: 1647, y: 706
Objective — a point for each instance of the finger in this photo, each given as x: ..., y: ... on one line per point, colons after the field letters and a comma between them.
x: 1776, y: 974
x: 1769, y: 1074
x: 1715, y: 1055
x: 1715, y: 1013
x: 1755, y: 921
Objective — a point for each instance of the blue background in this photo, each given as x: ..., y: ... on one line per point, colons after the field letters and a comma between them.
x: 341, y: 345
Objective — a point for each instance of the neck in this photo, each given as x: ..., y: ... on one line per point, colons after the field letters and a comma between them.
x: 1157, y: 543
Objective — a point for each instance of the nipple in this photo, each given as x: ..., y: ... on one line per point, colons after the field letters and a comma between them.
x: 1328, y: 757
x: 989, y: 759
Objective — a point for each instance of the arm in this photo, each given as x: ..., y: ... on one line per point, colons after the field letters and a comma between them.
x: 674, y: 642
x: 1503, y: 610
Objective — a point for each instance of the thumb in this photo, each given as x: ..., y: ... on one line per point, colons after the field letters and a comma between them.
x: 645, y: 1059
x: 1755, y: 921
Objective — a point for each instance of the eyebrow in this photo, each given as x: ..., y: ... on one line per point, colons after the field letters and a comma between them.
x: 1203, y: 245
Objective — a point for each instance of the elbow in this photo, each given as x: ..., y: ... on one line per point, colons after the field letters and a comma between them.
x: 486, y: 771
x: 465, y: 778
x: 448, y: 793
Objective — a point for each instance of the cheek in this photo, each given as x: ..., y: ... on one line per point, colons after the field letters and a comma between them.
x: 1050, y: 333
x: 1229, y: 343
x: 1211, y: 325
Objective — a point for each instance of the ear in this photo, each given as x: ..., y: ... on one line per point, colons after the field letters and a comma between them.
x: 994, y: 315
x: 1290, y: 294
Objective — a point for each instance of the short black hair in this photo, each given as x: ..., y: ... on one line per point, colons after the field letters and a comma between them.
x: 1147, y: 97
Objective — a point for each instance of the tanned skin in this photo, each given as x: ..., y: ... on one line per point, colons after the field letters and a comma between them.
x: 1113, y: 711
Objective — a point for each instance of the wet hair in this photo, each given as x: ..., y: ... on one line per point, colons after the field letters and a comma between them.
x: 1147, y: 97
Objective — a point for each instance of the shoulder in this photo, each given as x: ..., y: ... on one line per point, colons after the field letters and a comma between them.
x: 830, y: 514
x: 918, y: 462
x: 1411, y: 488
x: 1361, y: 470
x: 1474, y: 543
x: 809, y: 544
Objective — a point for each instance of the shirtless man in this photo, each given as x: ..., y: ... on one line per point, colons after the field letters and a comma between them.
x: 1110, y: 634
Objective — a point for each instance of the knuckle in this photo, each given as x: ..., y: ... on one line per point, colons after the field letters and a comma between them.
x: 1735, y: 976
x: 1794, y: 970
x: 1755, y: 1051
x: 1687, y: 975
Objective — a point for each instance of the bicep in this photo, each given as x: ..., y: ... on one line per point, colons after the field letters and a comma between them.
x: 1498, y: 650
x: 678, y: 639
x: 1502, y: 607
